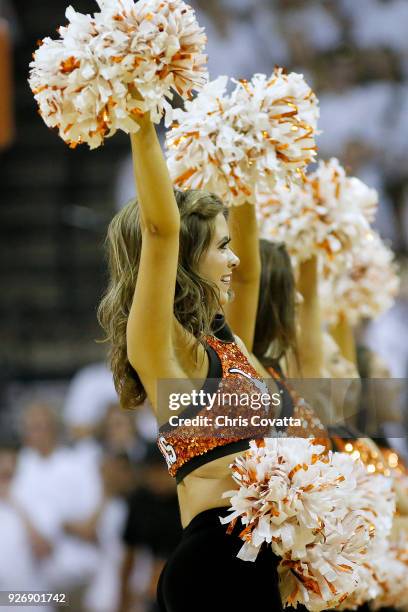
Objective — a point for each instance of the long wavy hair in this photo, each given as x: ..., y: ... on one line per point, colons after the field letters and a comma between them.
x: 196, y: 299
x: 275, y: 330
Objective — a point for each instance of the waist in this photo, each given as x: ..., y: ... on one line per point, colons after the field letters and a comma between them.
x: 202, y: 490
x: 206, y: 519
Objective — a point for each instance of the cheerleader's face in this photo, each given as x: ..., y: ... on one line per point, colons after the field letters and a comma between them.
x: 218, y: 262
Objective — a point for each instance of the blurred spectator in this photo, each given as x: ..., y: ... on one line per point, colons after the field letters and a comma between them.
x: 90, y: 393
x: 23, y: 541
x: 50, y: 472
x: 118, y: 433
x: 153, y: 522
x: 310, y: 30
x: 103, y: 528
x: 376, y: 23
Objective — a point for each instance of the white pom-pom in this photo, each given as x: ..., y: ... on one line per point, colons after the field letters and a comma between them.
x: 374, y: 497
x: 334, y: 190
x: 317, y: 512
x: 240, y: 143
x: 289, y: 214
x: 391, y: 567
x: 326, y: 215
x: 84, y: 82
x: 364, y: 287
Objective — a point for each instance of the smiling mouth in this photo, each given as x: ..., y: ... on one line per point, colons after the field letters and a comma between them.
x: 226, y: 279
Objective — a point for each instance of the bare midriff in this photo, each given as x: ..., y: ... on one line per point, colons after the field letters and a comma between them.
x: 203, y: 489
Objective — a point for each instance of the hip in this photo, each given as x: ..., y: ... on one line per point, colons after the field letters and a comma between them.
x: 207, y: 556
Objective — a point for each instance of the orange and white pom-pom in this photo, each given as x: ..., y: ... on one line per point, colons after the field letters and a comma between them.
x: 330, y: 571
x: 289, y: 214
x: 391, y: 565
x: 364, y: 287
x: 84, y: 83
x: 377, y: 502
x: 326, y: 215
x: 392, y: 570
x: 314, y: 510
x: 236, y: 144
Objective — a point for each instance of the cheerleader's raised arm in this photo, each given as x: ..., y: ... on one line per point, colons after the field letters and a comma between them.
x: 310, y: 337
x: 155, y: 189
x: 343, y: 334
x: 246, y: 278
x: 151, y: 315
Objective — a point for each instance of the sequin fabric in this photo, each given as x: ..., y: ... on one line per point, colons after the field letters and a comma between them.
x: 185, y: 442
x: 384, y: 461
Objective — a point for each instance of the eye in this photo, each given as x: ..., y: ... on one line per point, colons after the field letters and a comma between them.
x: 224, y: 245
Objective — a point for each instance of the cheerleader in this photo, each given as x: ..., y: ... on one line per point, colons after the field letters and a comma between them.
x: 275, y: 340
x: 172, y: 271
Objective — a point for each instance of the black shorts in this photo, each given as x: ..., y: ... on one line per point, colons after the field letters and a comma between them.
x: 204, y: 574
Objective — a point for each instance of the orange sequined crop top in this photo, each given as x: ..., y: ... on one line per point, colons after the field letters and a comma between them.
x: 186, y: 446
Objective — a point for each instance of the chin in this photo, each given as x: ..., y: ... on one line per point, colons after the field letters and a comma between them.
x: 225, y: 295
x: 224, y: 299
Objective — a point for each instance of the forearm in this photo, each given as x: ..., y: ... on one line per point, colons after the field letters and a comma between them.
x: 154, y: 187
x: 241, y: 311
x: 126, y: 569
x: 86, y: 530
x: 243, y: 228
x: 344, y: 337
x: 83, y: 531
x: 310, y: 337
x: 40, y: 544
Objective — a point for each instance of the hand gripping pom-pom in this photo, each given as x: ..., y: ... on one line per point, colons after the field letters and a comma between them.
x: 317, y: 512
x: 237, y: 144
x: 84, y: 83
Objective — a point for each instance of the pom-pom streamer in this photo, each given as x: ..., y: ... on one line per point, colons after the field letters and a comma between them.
x: 85, y: 83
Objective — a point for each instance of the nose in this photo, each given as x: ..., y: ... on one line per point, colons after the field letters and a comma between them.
x: 233, y: 260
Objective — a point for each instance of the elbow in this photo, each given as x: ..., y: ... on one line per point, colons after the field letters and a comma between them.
x: 163, y: 228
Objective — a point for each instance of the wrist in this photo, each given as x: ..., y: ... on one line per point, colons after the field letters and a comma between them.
x: 144, y: 137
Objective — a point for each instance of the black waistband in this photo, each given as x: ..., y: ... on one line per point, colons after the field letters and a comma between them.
x: 207, y: 518
x: 215, y: 453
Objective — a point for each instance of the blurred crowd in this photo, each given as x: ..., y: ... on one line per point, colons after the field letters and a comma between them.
x: 86, y: 505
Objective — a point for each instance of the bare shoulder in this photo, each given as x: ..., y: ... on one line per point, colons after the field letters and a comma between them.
x: 252, y: 359
x: 250, y: 356
x: 241, y: 346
